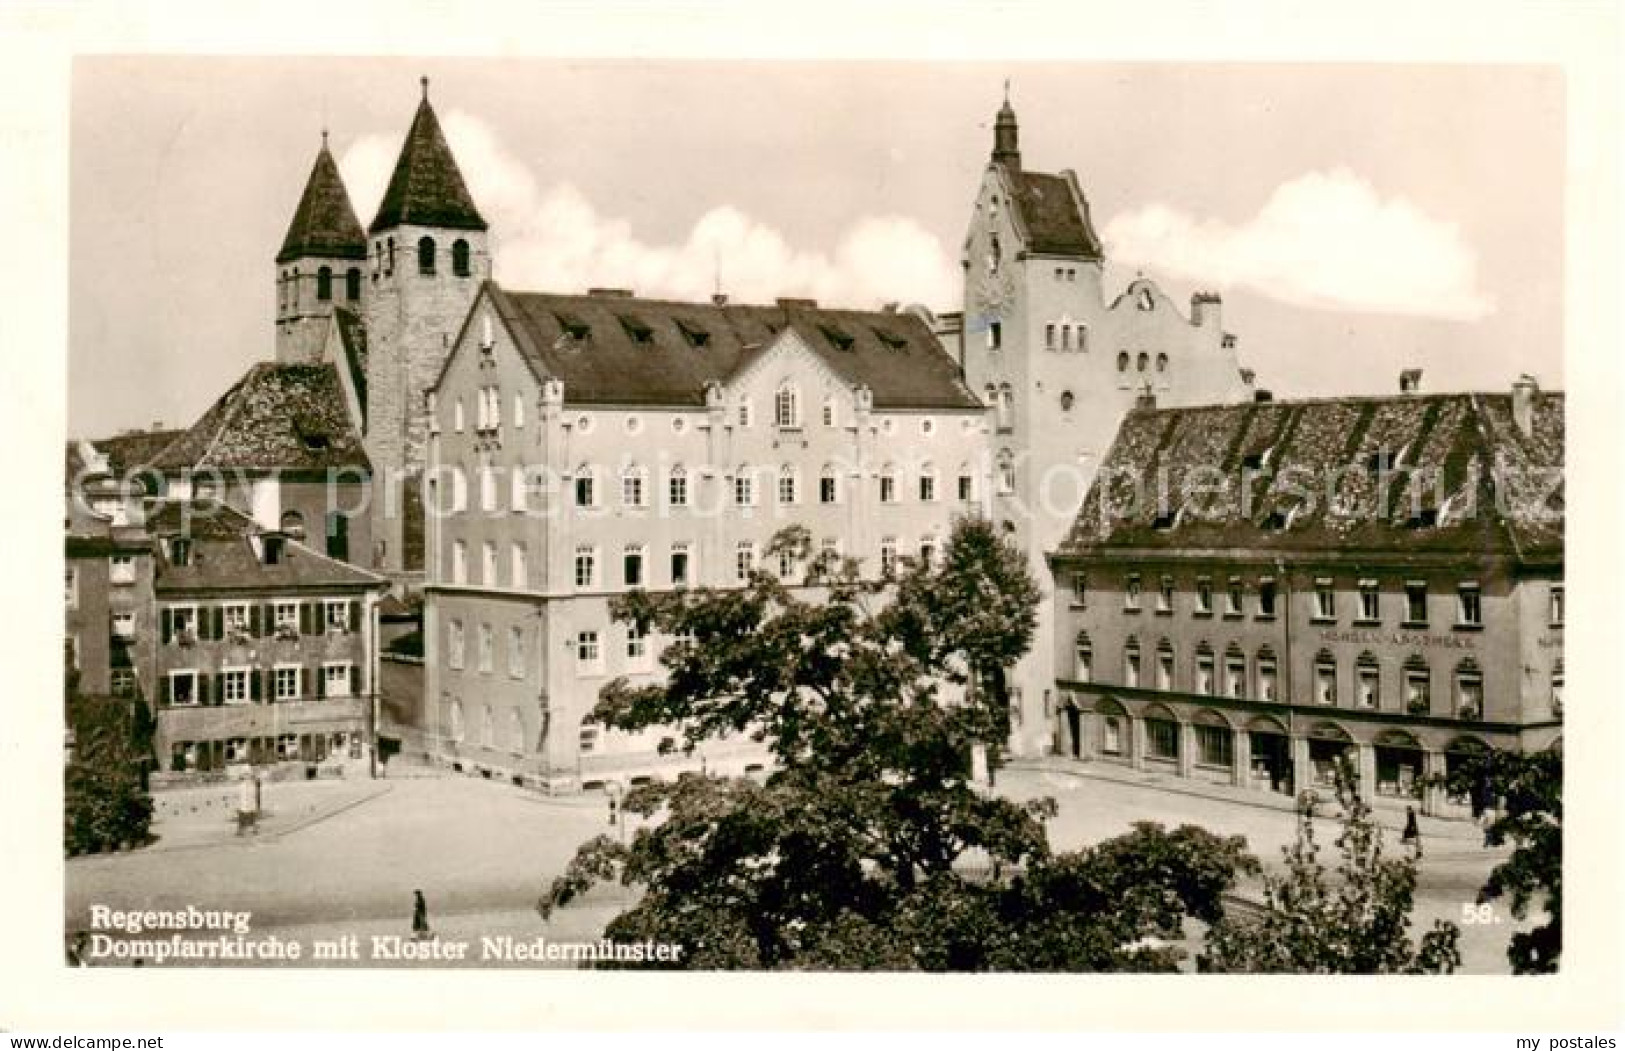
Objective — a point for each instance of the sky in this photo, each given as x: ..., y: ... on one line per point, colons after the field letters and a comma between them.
x: 1357, y: 218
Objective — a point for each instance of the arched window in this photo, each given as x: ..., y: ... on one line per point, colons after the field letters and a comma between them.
x: 1418, y: 685
x: 487, y: 727
x: 1122, y: 362
x: 454, y: 720
x: 1235, y: 671
x: 1007, y: 407
x: 1067, y: 401
x: 633, y: 487
x: 1007, y: 472
x: 1143, y: 361
x: 1162, y: 363
x: 787, y: 407
x: 1165, y: 665
x: 459, y: 258
x: 1469, y: 690
x: 677, y: 486
x: 295, y: 301
x: 829, y: 412
x: 1083, y: 658
x: 516, y: 731
x: 744, y: 486
x: 425, y: 255
x: 324, y: 284
x: 788, y: 484
x: 928, y: 483
x: 1083, y: 337
x: 389, y: 257
x: 293, y: 523
x: 888, y: 484
x: 1367, y: 680
x: 829, y: 491
x: 1131, y: 662
x: 352, y: 284
x: 1204, y: 669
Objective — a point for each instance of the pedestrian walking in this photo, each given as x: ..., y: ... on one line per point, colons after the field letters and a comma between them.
x: 420, y: 916
x: 248, y: 805
x: 1412, y: 836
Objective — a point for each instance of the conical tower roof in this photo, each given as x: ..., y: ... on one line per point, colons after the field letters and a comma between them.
x: 427, y: 188
x: 324, y: 224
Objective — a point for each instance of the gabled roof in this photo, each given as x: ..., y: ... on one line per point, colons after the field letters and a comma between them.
x: 1053, y: 213
x: 223, y: 555
x: 324, y: 224
x: 1356, y: 458
x: 427, y: 188
x: 292, y: 417
x: 126, y: 452
x: 624, y: 351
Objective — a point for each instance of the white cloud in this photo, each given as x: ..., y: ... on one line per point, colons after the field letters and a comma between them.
x: 1324, y: 239
x: 554, y: 239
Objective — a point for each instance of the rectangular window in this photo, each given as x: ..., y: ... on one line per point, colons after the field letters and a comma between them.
x: 459, y: 562
x: 488, y: 564
x: 1416, y: 602
x: 1131, y: 591
x: 488, y: 490
x: 1049, y: 336
x: 744, y: 561
x: 1204, y: 674
x: 1165, y: 669
x: 1235, y: 676
x: 1266, y: 598
x: 1165, y: 595
x: 744, y: 414
x: 632, y: 565
x: 1131, y: 667
x: 1469, y: 695
x: 183, y: 688
x: 1204, y: 595
x: 122, y: 682
x: 1469, y: 606
x: 1555, y: 606
x: 826, y: 489
x: 1080, y: 590
x: 928, y: 488
x: 632, y: 489
x: 589, y: 656
x: 124, y: 624
x: 121, y: 569
x: 637, y: 648
x: 888, y: 556
x: 519, y: 571
x: 1325, y: 600
x: 1232, y: 598
x: 1267, y: 677
x: 518, y: 490
x: 967, y: 487
x: 72, y: 582
x: 586, y: 566
x: 234, y: 686
x: 995, y: 335
x: 888, y: 489
x: 454, y: 644
x: 287, y: 682
x: 584, y: 489
x: 1418, y: 692
x: 1325, y: 683
x: 1111, y: 736
x: 744, y: 490
x: 787, y: 487
x: 1370, y: 606
x: 1214, y: 746
x: 516, y: 652
x: 336, y: 680
x: 1162, y: 739
x: 1367, y: 686
x: 680, y: 567
x: 928, y: 551
x: 487, y: 644
x: 336, y: 616
x: 519, y: 410
x: 287, y: 620
x: 677, y: 488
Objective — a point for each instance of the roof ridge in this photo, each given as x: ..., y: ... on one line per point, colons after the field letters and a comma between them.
x: 232, y: 409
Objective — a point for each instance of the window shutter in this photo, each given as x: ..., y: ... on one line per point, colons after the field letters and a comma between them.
x: 355, y: 615
x: 219, y: 615
x: 254, y: 684
x: 168, y: 623
x: 321, y: 682
x: 163, y: 680
x: 200, y: 690
x: 304, y: 683
x: 355, y: 680
x: 304, y: 618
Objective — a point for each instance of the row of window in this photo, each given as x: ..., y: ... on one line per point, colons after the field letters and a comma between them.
x: 1368, y: 596
x: 587, y: 647
x: 1065, y: 336
x: 289, y: 287
x: 191, y: 687
x: 207, y: 756
x: 384, y: 257
x: 185, y: 624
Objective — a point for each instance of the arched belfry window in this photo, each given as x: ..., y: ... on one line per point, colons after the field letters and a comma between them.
x: 459, y: 258
x: 425, y: 255
x: 352, y: 284
x: 389, y: 256
x: 324, y: 284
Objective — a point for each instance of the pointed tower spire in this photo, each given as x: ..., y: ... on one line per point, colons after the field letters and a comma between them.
x: 427, y: 188
x: 324, y: 224
x: 1006, y: 150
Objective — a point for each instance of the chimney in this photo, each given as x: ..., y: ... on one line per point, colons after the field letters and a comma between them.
x: 1262, y: 395
x: 1410, y: 381
x: 1524, y: 391
x: 719, y: 299
x: 1205, y: 309
x: 610, y: 293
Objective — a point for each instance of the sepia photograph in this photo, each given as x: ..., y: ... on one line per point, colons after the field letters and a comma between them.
x: 734, y: 513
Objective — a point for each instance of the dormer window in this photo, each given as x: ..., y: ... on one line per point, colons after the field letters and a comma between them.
x: 271, y: 547
x: 693, y: 335
x: 891, y: 340
x: 574, y: 329
x: 837, y: 339
x: 636, y: 330
x: 180, y: 551
x: 316, y: 442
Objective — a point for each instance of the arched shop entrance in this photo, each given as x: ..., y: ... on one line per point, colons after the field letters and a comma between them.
x: 1271, y: 766
x: 1461, y: 754
x: 1115, y: 729
x: 1399, y: 765
x: 1069, y: 728
x: 1329, y: 743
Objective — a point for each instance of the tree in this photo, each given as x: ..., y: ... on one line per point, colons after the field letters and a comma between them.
x: 868, y: 847
x: 1357, y: 923
x: 106, y: 804
x: 1523, y: 794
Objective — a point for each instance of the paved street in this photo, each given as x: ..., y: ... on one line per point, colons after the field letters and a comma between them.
x: 343, y: 857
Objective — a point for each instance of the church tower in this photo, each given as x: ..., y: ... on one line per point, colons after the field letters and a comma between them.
x: 320, y: 265
x: 429, y: 255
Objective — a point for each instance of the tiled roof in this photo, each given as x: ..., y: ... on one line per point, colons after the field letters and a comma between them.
x: 625, y: 351
x: 277, y: 416
x: 353, y: 339
x: 427, y: 188
x: 1312, y: 475
x: 324, y: 224
x: 1057, y: 222
x: 126, y: 452
x: 223, y: 556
